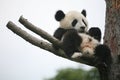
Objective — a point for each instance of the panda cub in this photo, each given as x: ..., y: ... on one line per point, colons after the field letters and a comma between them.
x: 71, y: 20
x: 75, y: 43
x: 76, y: 38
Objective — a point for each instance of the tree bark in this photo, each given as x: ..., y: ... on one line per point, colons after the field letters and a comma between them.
x: 112, y: 39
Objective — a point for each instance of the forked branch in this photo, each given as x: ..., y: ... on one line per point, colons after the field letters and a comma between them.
x: 85, y: 59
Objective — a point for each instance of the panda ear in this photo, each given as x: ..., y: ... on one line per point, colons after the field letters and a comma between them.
x: 59, y: 15
x: 84, y: 12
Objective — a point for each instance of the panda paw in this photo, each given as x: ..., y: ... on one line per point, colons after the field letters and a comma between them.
x: 76, y: 55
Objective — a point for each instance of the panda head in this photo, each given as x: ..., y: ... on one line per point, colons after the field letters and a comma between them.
x: 72, y: 19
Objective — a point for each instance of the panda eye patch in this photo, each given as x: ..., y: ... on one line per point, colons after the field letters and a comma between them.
x: 74, y: 22
x: 84, y: 22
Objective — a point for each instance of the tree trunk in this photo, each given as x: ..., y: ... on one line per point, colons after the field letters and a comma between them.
x: 112, y: 39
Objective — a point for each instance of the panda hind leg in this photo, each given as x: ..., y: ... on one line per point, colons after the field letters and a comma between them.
x: 104, y: 54
x: 71, y: 42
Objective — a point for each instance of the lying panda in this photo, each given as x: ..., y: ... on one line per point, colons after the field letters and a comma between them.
x: 74, y: 34
x: 76, y: 44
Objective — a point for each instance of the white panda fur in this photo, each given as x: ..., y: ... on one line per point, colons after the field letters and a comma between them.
x: 87, y: 45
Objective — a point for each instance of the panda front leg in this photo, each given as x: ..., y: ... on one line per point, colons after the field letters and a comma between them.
x: 58, y: 34
x: 71, y: 42
x: 103, y: 53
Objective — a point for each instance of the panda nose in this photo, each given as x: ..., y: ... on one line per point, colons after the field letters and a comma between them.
x: 83, y: 28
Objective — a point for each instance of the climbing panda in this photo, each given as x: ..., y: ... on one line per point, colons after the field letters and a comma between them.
x: 71, y: 20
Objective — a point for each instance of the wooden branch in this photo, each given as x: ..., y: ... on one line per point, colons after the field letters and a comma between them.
x: 85, y: 59
x: 39, y: 31
x: 33, y: 40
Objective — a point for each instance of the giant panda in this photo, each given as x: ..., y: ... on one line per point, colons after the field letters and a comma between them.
x: 77, y: 44
x: 71, y: 20
x: 74, y: 20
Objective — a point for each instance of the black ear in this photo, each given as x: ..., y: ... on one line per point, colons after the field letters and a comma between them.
x: 59, y: 15
x: 84, y: 12
x: 95, y: 32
